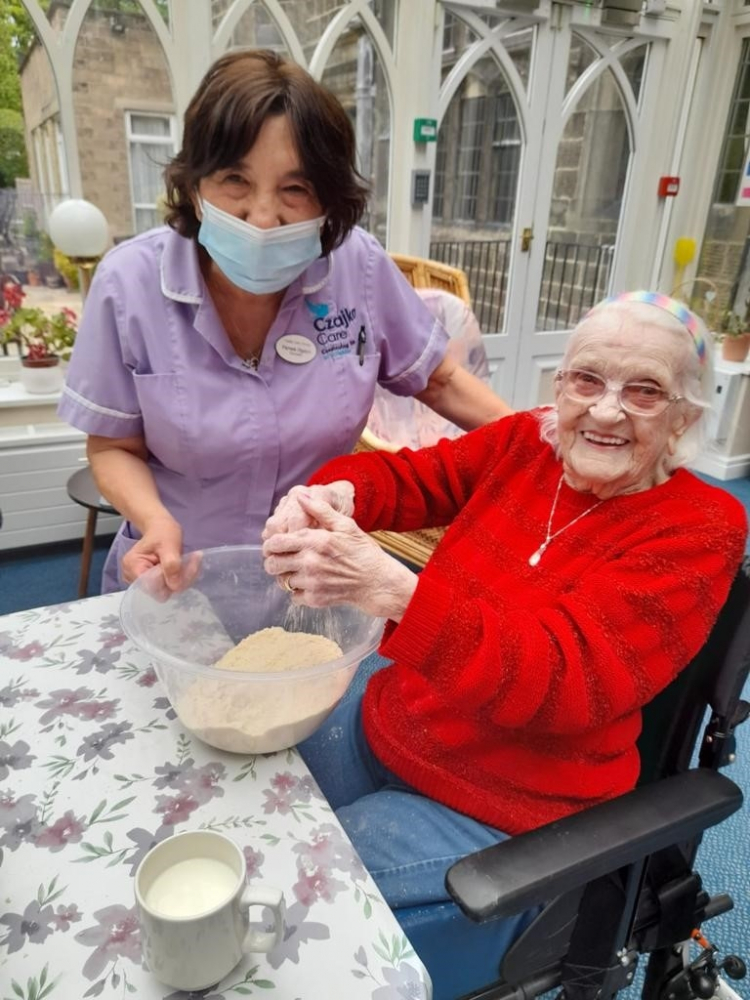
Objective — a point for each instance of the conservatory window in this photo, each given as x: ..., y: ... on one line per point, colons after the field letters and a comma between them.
x: 737, y: 135
x: 438, y: 197
x: 151, y: 144
x: 450, y: 33
x: 469, y: 160
x: 506, y: 154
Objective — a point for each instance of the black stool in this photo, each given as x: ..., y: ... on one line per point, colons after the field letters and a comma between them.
x: 83, y: 490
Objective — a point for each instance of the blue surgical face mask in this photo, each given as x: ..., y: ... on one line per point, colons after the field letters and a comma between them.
x: 261, y: 261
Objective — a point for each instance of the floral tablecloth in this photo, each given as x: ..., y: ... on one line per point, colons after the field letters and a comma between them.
x: 95, y: 769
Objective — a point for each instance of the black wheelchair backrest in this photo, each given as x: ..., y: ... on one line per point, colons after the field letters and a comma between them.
x: 713, y: 680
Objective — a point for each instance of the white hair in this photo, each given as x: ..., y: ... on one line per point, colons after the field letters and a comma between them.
x: 694, y: 376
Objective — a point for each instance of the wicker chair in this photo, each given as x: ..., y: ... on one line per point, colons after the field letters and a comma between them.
x: 416, y: 547
x: 423, y: 273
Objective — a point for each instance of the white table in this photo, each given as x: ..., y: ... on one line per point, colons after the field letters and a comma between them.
x: 95, y: 769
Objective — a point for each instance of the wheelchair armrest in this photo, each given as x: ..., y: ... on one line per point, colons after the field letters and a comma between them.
x: 536, y: 867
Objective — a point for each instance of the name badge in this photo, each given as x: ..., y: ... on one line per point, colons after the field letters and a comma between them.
x: 295, y: 349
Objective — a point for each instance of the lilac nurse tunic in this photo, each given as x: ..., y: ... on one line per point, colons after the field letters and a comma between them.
x: 226, y: 441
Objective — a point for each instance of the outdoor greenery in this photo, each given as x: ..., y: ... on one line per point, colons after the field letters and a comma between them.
x: 18, y: 32
x: 13, y: 161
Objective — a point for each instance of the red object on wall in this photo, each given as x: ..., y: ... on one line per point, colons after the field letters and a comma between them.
x: 668, y: 186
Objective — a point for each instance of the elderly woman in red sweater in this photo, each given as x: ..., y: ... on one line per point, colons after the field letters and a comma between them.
x: 582, y: 569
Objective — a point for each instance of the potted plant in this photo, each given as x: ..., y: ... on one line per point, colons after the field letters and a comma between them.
x: 44, y: 341
x: 734, y: 335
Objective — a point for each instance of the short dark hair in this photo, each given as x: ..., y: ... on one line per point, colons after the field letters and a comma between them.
x: 224, y: 118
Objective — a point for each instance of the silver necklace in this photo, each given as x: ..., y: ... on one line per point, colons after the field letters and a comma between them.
x: 251, y: 361
x: 536, y: 556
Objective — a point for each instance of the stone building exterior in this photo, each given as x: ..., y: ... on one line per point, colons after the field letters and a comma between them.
x: 106, y: 92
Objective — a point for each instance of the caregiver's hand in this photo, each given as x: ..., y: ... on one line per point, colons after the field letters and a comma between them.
x: 291, y: 516
x: 160, y: 545
x: 338, y: 563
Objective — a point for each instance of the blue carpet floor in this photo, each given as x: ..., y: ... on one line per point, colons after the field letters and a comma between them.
x: 47, y: 574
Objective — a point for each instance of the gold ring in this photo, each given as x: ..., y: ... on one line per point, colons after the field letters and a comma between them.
x: 286, y: 584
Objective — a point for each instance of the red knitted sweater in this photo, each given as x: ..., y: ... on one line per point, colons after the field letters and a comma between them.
x: 515, y: 691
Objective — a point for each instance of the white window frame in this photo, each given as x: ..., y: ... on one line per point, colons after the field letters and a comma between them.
x: 155, y: 140
x: 62, y: 163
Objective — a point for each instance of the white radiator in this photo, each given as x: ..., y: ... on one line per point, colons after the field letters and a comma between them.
x: 36, y: 461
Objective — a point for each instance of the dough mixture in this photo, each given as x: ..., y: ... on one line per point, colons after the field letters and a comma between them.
x: 263, y: 717
x: 274, y: 648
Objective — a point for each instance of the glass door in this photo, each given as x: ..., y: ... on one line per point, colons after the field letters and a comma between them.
x: 537, y: 132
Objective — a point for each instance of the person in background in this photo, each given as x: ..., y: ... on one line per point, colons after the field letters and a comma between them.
x: 582, y: 569
x: 223, y: 357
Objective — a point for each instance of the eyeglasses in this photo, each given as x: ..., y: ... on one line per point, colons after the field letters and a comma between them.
x: 637, y: 398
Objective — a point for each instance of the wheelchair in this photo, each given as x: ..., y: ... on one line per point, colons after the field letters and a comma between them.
x: 617, y: 881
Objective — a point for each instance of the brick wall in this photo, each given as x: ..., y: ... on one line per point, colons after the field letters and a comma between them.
x: 113, y: 72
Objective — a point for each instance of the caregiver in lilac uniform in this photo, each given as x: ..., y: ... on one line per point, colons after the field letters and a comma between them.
x: 224, y: 357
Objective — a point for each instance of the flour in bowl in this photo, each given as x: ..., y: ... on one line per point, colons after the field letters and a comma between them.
x: 274, y: 648
x: 247, y: 717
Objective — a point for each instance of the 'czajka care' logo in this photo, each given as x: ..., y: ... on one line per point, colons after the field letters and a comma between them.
x: 332, y: 332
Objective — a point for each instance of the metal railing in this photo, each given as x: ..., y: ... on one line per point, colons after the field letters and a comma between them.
x: 575, y: 276
x: 486, y: 264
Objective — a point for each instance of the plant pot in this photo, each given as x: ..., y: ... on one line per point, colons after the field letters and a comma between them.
x: 44, y: 376
x: 735, y: 348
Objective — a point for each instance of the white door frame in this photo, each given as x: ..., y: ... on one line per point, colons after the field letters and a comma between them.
x: 503, y: 346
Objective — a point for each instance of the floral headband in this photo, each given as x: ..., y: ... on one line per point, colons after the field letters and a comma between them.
x: 676, y: 308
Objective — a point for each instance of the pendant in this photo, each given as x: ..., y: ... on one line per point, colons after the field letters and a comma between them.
x: 536, y: 556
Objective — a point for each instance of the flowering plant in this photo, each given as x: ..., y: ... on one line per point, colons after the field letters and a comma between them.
x: 38, y: 335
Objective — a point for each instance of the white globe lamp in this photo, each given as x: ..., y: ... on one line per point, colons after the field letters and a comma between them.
x: 80, y: 231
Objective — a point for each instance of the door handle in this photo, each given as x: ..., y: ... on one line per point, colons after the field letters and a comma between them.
x: 527, y: 235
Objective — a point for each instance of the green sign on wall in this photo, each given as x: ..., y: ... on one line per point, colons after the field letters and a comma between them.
x: 425, y: 129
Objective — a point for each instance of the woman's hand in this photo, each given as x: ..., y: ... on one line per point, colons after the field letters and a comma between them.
x: 291, y: 516
x: 160, y: 545
x: 121, y: 472
x: 338, y: 563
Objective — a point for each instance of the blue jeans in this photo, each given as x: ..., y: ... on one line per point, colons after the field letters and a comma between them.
x: 407, y: 842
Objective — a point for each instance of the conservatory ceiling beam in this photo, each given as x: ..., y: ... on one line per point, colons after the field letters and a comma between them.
x: 60, y: 49
x: 489, y: 42
x: 234, y: 15
x: 415, y: 95
x: 510, y: 7
x: 191, y: 33
x: 480, y: 4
